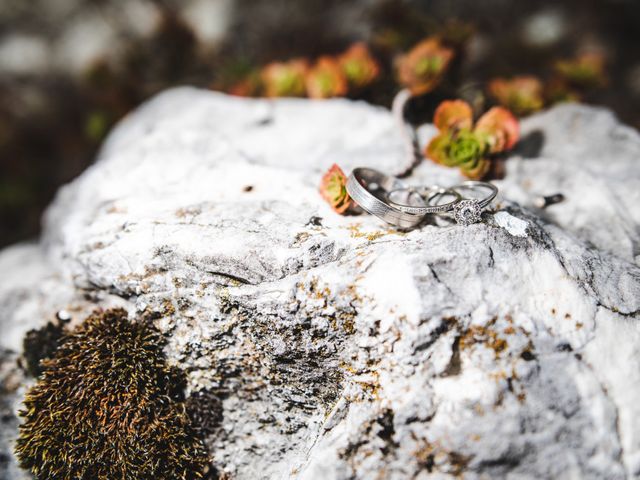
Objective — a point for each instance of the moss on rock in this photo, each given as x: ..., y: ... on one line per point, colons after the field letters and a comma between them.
x: 40, y: 344
x: 107, y: 406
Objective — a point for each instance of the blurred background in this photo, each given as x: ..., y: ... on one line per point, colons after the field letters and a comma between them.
x: 70, y: 69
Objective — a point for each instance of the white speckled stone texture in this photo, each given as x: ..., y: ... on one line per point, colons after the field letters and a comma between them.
x: 341, y: 348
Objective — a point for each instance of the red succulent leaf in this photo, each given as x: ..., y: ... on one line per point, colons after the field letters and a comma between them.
x: 422, y: 68
x: 285, y: 79
x: 500, y: 128
x: 453, y: 115
x: 333, y: 189
x: 358, y: 65
x: 326, y: 79
x: 522, y: 95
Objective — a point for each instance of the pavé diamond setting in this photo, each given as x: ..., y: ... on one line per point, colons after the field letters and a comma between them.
x: 467, y: 212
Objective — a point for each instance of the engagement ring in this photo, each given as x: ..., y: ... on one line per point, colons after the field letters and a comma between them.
x: 469, y: 210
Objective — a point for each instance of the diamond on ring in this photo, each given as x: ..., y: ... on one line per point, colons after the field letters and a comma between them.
x: 467, y: 212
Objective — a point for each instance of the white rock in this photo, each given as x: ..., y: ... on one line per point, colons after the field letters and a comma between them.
x: 511, y: 224
x: 346, y: 349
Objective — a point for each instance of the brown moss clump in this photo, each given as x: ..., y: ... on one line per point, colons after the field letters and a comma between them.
x: 107, y: 406
x: 40, y: 344
x: 205, y: 411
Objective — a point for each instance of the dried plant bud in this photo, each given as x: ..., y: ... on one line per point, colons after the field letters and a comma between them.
x: 584, y: 71
x: 522, y: 95
x: 548, y: 200
x: 359, y: 66
x: 422, y: 68
x: 285, y: 79
x: 333, y: 189
x: 326, y: 79
x: 108, y: 406
x: 460, y: 144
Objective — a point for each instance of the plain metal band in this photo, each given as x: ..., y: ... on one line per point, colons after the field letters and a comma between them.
x: 359, y: 193
x: 430, y: 193
x: 473, y: 184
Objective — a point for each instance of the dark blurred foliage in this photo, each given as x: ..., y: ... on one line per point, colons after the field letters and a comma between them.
x: 55, y: 114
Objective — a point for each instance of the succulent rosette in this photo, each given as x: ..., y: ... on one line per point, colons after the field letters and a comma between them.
x: 586, y: 70
x: 285, y: 79
x: 333, y: 189
x: 359, y: 66
x: 469, y: 147
x: 422, y: 68
x: 326, y: 79
x: 522, y: 95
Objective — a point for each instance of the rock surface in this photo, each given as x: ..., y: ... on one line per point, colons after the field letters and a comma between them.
x: 340, y: 348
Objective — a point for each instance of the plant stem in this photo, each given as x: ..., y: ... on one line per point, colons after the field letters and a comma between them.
x: 409, y: 136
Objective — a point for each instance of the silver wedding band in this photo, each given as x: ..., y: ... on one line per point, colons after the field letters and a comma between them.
x: 374, y: 192
x: 369, y: 189
x: 430, y: 195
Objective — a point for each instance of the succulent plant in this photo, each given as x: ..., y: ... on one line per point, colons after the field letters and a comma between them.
x: 584, y: 71
x: 326, y: 79
x: 334, y: 190
x: 422, y: 68
x: 461, y: 144
x: 107, y: 406
x: 285, y: 79
x: 249, y: 86
x: 359, y: 66
x: 522, y: 95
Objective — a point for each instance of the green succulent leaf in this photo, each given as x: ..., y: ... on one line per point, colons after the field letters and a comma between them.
x: 465, y: 148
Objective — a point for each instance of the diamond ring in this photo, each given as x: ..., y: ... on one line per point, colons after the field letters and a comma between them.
x: 469, y: 210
